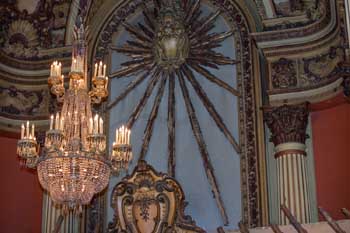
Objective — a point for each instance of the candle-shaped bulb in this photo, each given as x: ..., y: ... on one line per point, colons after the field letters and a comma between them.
x: 32, y: 131
x: 62, y: 123
x: 22, y: 131
x: 106, y: 85
x: 51, y: 122
x: 90, y: 126
x: 104, y: 70
x: 95, y: 71
x: 27, y: 129
x: 116, y: 136
x: 101, y: 126
x: 96, y: 124
x: 57, y: 121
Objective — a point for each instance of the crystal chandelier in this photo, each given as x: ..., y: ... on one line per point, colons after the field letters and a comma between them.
x: 73, y: 165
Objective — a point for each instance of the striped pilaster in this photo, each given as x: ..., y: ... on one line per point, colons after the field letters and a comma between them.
x: 292, y: 181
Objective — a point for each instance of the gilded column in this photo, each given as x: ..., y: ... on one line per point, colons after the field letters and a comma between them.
x: 288, y: 127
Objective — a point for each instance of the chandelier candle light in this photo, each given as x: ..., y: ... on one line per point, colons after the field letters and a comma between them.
x: 73, y: 165
x: 27, y: 147
x: 122, y: 153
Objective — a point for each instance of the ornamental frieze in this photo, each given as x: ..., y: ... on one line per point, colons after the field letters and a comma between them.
x: 284, y: 73
x: 23, y: 102
x: 318, y: 69
x: 305, y: 72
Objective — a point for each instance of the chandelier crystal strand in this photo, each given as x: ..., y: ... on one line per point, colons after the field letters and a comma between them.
x: 73, y: 166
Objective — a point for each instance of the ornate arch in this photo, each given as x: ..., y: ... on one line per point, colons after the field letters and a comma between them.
x: 242, y: 24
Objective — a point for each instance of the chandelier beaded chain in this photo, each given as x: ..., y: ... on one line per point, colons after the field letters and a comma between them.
x: 73, y: 166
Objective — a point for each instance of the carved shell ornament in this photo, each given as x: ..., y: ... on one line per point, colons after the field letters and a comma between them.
x: 22, y: 39
x: 175, y: 41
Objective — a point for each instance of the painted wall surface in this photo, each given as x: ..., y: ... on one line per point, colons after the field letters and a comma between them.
x: 190, y: 171
x: 331, y: 141
x: 20, y: 193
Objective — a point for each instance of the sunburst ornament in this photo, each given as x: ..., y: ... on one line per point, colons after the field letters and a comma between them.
x: 175, y: 40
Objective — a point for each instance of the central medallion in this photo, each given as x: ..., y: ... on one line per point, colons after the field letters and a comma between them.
x: 172, y: 45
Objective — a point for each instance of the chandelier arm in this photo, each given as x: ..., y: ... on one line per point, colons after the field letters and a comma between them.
x: 210, y: 108
x: 197, y: 133
x: 138, y: 109
x: 171, y: 126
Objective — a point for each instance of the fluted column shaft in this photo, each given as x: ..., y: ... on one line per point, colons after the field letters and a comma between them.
x: 288, y: 127
x: 71, y: 223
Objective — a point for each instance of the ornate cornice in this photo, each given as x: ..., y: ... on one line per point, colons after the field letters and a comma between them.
x: 312, y: 95
x: 287, y: 123
x: 278, y: 36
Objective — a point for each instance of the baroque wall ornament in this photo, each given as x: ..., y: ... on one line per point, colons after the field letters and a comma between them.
x: 28, y: 28
x: 150, y: 200
x: 198, y: 61
x: 319, y: 69
x: 26, y: 103
x: 283, y: 73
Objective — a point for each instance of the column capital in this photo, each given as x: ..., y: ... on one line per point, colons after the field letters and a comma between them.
x: 287, y: 123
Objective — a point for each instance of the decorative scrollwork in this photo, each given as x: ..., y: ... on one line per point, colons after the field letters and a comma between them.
x: 157, y: 203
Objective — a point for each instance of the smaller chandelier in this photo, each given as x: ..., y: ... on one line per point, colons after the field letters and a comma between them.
x: 27, y: 146
x: 122, y: 151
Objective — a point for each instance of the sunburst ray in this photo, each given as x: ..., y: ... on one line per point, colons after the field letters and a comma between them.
x: 133, y: 84
x: 171, y: 126
x: 142, y: 102
x: 197, y: 133
x: 136, y: 33
x: 138, y: 45
x: 152, y: 117
x: 129, y: 50
x: 126, y: 71
x: 192, y: 10
x: 214, y: 79
x: 147, y: 31
x: 206, y: 24
x: 143, y: 60
x: 210, y: 108
x: 209, y: 39
x: 149, y: 20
